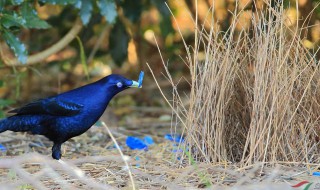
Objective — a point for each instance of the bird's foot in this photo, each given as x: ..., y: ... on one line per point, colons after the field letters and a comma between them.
x: 56, y: 151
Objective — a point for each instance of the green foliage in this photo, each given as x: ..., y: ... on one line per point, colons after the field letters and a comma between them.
x: 12, y: 19
x: 317, y: 9
x: 286, y: 3
x: 60, y: 2
x: 16, y: 2
x: 30, y: 15
x: 86, y: 11
x: 18, y: 14
x: 1, y: 5
x: 165, y: 23
x: 108, y: 10
x: 4, y: 103
x: 83, y: 58
x: 119, y: 40
x: 15, y: 44
x: 132, y: 9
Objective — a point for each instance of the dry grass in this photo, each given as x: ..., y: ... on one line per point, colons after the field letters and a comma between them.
x: 251, y: 114
x: 96, y: 164
x: 155, y: 169
x: 254, y: 95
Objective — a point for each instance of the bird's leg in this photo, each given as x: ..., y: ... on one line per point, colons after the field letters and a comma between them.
x: 56, y: 151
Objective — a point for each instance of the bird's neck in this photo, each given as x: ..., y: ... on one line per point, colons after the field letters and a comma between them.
x: 103, y: 97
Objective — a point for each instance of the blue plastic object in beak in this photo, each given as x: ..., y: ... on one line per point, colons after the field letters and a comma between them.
x: 139, y: 83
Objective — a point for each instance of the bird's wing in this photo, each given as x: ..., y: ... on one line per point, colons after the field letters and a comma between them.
x: 50, y: 106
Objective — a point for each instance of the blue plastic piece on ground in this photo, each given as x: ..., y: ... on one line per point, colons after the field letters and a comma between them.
x: 177, y: 150
x: 137, y: 158
x: 148, y: 140
x: 316, y: 173
x: 174, y: 138
x: 136, y: 143
x: 3, y: 148
x: 140, y: 79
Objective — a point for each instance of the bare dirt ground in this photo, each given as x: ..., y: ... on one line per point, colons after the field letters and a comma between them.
x: 91, y: 161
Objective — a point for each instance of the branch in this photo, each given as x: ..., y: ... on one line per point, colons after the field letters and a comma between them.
x: 36, y: 58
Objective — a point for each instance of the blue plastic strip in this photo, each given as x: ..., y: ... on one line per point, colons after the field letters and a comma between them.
x: 140, y: 79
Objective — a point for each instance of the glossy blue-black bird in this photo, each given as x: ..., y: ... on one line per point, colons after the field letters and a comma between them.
x: 69, y: 114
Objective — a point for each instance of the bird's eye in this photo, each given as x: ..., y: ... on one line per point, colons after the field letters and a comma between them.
x: 119, y: 84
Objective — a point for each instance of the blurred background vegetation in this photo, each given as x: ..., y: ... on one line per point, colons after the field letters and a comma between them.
x: 116, y: 36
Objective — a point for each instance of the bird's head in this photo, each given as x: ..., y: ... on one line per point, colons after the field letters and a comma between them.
x: 117, y: 83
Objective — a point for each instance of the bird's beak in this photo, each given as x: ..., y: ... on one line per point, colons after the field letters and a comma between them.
x: 135, y: 84
x: 138, y: 84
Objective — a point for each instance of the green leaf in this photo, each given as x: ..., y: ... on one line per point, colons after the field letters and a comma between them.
x: 2, y: 2
x: 6, y: 102
x: 161, y: 6
x: 132, y: 9
x: 14, y: 43
x: 11, y: 19
x: 60, y: 2
x: 108, y: 9
x: 78, y: 4
x: 119, y: 39
x: 85, y: 11
x: 30, y: 15
x: 16, y: 2
x: 317, y: 11
x: 2, y: 114
x: 83, y: 58
x: 166, y: 26
x: 165, y: 22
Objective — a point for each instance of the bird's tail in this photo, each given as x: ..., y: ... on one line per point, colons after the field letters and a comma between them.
x: 18, y: 123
